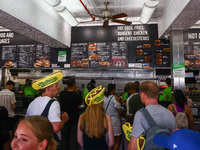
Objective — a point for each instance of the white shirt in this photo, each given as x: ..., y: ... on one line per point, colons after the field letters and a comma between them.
x: 7, y: 98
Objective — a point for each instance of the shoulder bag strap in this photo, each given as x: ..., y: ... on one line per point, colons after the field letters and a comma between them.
x: 108, y: 103
x: 148, y: 117
x: 46, y: 110
x: 174, y: 107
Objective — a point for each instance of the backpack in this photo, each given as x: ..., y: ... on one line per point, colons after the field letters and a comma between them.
x: 152, y: 131
x: 181, y: 118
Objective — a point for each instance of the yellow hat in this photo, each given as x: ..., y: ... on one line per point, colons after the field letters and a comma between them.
x: 95, y: 96
x: 127, y: 128
x: 47, y: 81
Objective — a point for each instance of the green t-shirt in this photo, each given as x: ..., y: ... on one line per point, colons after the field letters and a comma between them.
x: 167, y: 94
x: 30, y: 92
x: 85, y: 92
x: 125, y: 96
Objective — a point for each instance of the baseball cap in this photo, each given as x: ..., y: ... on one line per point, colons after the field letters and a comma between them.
x: 182, y: 139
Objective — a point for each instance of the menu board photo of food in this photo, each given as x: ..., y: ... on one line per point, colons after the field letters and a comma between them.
x: 99, y: 54
x: 79, y: 55
x: 192, y: 57
x: 43, y: 56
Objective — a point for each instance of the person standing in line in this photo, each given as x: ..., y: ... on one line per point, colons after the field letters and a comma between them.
x: 7, y: 99
x: 112, y: 108
x: 70, y: 102
x: 86, y: 91
x: 167, y: 92
x: 94, y: 124
x: 149, y: 93
x: 34, y: 133
x: 49, y: 88
x: 133, y: 103
x: 181, y: 105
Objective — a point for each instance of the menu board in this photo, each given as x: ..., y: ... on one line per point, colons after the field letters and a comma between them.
x: 9, y: 54
x: 99, y: 54
x: 192, y: 48
x: 119, y: 54
x: 43, y: 56
x: 26, y: 56
x: 79, y: 55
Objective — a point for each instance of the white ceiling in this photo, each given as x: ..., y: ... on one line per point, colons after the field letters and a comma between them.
x: 169, y: 14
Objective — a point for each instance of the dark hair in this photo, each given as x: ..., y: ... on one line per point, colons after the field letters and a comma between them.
x: 29, y: 82
x: 110, y: 87
x: 71, y: 82
x: 90, y: 86
x: 10, y: 83
x: 129, y: 86
x: 168, y: 81
x: 93, y: 81
x: 180, y: 98
x: 137, y: 86
x: 150, y: 88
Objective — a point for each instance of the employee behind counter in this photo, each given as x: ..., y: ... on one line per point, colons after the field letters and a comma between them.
x: 29, y: 93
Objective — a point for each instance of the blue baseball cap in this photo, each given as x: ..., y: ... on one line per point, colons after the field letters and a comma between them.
x: 182, y: 139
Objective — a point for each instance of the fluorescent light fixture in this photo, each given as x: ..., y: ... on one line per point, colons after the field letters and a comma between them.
x: 66, y: 15
x: 53, y: 2
x: 147, y: 11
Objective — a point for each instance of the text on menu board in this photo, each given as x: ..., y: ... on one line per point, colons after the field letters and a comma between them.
x: 5, y: 37
x: 132, y: 33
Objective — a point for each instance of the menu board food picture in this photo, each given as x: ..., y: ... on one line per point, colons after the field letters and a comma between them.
x: 119, y: 54
x: 192, y: 48
x: 9, y: 54
x: 79, y: 55
x: 43, y: 56
x: 99, y: 54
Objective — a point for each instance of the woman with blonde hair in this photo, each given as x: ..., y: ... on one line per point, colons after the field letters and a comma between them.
x: 34, y: 133
x: 94, y: 124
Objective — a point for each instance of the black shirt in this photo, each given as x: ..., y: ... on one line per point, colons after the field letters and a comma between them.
x: 69, y: 102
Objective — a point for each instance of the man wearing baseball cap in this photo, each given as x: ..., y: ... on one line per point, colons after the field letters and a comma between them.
x: 50, y: 89
x: 182, y: 139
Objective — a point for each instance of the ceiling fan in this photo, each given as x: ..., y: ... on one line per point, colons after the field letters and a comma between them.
x: 106, y: 15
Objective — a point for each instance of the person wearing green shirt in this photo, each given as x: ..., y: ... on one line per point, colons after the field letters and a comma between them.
x: 167, y: 92
x: 30, y: 92
x: 90, y: 86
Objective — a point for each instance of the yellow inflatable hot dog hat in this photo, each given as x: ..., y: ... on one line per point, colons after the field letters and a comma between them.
x: 47, y: 81
x: 95, y: 96
x: 127, y: 128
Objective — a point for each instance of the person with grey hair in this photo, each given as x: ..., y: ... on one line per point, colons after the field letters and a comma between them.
x: 149, y: 93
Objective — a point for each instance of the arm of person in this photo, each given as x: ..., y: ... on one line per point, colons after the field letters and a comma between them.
x: 119, y: 110
x: 79, y: 133
x: 170, y: 108
x: 133, y: 143
x: 110, y: 132
x: 190, y: 117
x: 13, y: 106
x: 57, y: 126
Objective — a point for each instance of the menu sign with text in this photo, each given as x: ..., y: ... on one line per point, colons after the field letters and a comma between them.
x: 119, y: 53
x: 99, y: 54
x: 192, y: 48
x: 79, y: 55
x: 9, y: 54
x: 26, y: 56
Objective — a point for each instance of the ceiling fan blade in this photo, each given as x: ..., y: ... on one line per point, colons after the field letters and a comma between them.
x: 122, y: 22
x: 119, y: 15
x: 105, y: 23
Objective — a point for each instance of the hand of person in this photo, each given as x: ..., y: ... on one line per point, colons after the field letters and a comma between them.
x: 64, y: 117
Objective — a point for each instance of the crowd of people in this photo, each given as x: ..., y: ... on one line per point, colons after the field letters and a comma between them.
x: 53, y: 120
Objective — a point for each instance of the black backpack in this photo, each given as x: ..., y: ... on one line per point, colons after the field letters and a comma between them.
x: 152, y: 131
